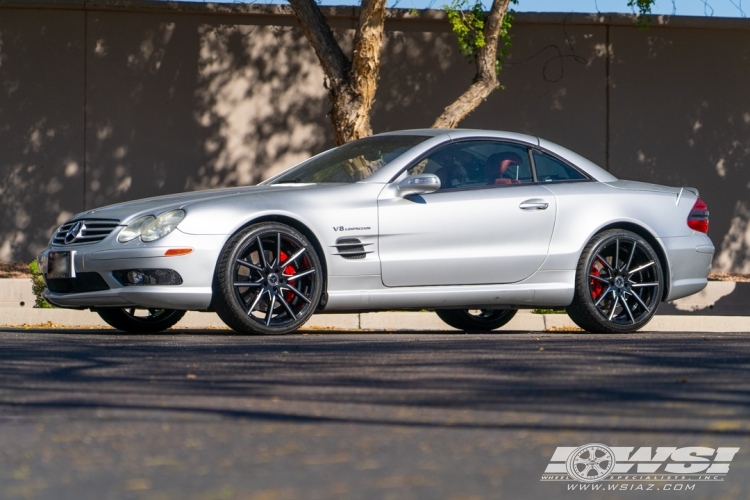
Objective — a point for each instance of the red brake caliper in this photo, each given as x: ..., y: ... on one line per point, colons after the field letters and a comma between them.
x: 288, y: 270
x: 597, y: 287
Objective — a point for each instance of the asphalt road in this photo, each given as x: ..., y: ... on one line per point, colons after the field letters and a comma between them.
x: 201, y: 415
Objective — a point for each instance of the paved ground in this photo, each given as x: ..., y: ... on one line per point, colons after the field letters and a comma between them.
x: 196, y: 415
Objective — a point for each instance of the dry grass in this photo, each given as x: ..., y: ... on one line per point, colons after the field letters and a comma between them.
x: 14, y: 270
x: 49, y: 325
x: 724, y: 276
x: 564, y: 329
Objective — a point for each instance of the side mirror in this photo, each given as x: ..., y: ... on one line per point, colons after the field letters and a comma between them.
x: 419, y: 184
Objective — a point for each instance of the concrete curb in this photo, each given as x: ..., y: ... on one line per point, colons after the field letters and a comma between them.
x: 719, y: 298
x: 525, y: 321
x: 720, y: 307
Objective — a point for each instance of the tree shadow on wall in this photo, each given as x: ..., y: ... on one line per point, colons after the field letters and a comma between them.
x: 202, y: 105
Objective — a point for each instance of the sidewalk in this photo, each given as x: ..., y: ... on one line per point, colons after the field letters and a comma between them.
x: 720, y: 307
x: 525, y: 321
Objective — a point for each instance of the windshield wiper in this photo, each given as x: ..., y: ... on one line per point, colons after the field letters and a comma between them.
x: 290, y: 181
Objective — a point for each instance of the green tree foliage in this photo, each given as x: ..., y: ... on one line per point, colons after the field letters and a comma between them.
x: 644, y: 9
x: 467, y: 22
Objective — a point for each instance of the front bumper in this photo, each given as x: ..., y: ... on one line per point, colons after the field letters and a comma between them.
x: 108, y: 256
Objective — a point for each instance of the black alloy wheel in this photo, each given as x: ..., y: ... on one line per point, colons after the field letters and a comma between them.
x: 268, y: 280
x: 476, y: 320
x: 618, y: 284
x: 140, y: 320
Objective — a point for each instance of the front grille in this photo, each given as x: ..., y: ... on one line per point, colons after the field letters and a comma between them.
x: 93, y: 230
x: 350, y: 248
x: 83, y: 282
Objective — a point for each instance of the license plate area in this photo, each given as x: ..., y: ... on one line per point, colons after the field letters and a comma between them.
x: 61, y: 265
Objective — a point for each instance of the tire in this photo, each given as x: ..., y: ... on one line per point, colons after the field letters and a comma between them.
x: 619, y: 284
x: 256, y: 292
x: 132, y: 321
x: 483, y: 320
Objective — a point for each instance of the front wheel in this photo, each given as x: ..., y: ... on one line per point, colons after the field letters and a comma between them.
x: 474, y: 320
x: 618, y: 284
x: 268, y: 280
x: 135, y: 320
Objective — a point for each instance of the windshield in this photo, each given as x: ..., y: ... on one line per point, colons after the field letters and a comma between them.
x: 352, y: 162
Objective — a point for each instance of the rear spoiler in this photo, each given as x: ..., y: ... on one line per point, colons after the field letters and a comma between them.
x: 689, y: 190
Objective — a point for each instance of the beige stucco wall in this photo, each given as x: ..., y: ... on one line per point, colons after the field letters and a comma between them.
x: 164, y: 99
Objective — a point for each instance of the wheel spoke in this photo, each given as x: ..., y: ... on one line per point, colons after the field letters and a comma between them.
x: 603, y: 261
x: 297, y: 292
x: 248, y: 284
x: 617, y: 254
x: 262, y: 253
x: 640, y: 285
x: 594, y: 276
x: 632, y: 253
x: 641, y: 268
x: 249, y: 265
x: 635, y: 295
x: 277, y: 260
x: 298, y: 275
x: 627, y: 308
x: 270, y: 308
x: 614, y: 306
x: 255, y: 302
x: 603, y: 295
x: 294, y: 257
x: 286, y: 306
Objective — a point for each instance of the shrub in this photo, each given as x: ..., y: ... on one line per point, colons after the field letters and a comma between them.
x: 37, y: 286
x: 549, y: 311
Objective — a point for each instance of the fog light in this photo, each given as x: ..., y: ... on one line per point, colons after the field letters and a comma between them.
x: 146, y: 277
x: 136, y: 277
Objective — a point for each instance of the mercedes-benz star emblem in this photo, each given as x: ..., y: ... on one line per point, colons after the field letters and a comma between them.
x: 74, y: 232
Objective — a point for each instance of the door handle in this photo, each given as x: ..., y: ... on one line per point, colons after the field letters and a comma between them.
x: 534, y: 205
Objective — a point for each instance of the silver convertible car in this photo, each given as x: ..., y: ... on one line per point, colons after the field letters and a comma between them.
x: 471, y: 224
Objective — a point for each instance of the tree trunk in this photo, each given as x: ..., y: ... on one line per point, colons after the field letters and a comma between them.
x: 351, y: 84
x: 485, y: 81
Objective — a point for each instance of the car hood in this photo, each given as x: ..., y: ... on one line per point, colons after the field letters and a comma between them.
x: 131, y: 210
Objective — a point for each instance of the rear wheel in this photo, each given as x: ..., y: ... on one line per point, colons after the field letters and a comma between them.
x: 136, y: 320
x: 618, y: 284
x: 472, y: 320
x: 268, y: 280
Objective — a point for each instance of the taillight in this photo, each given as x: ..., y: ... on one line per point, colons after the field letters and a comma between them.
x: 698, y: 218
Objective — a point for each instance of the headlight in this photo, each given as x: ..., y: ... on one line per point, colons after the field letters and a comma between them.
x: 134, y: 229
x: 162, y: 225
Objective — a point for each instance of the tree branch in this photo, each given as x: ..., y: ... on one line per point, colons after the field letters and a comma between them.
x: 485, y: 81
x: 315, y: 26
x: 368, y: 44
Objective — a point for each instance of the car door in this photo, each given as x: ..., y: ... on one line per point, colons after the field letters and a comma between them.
x: 490, y: 222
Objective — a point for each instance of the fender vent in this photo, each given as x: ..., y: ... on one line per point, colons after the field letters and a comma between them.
x: 350, y: 248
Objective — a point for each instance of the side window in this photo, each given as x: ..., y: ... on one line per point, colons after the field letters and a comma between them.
x: 549, y: 169
x: 474, y: 164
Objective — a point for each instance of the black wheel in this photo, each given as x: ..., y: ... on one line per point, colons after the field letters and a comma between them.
x: 268, y: 280
x: 473, y: 320
x: 618, y: 284
x: 137, y: 320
